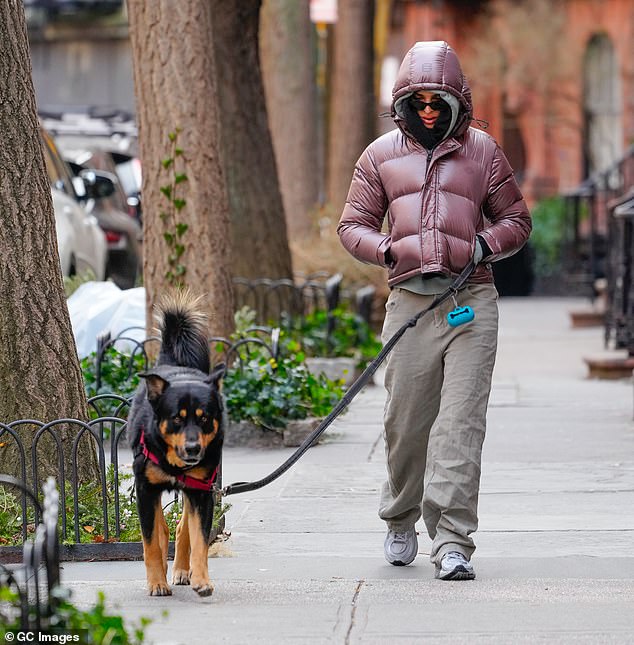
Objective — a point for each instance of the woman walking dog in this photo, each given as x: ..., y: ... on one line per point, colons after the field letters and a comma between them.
x: 450, y: 196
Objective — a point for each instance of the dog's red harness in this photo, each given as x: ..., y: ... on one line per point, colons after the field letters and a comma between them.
x: 185, y: 480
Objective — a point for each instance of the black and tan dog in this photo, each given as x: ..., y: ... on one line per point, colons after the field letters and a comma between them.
x: 176, y: 434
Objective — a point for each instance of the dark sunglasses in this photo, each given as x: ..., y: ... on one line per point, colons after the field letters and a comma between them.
x: 419, y: 105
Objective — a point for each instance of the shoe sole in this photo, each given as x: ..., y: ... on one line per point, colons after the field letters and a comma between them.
x: 400, y: 563
x: 459, y: 573
x: 403, y: 563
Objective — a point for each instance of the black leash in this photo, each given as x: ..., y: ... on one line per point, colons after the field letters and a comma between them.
x: 355, y: 388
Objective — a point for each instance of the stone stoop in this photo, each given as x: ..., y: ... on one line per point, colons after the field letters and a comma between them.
x: 610, y: 368
x: 587, y: 318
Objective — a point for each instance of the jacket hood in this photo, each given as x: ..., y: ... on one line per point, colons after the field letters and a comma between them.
x: 433, y: 66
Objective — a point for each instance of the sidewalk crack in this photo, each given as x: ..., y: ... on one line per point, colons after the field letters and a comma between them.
x: 353, y: 610
x: 374, y: 447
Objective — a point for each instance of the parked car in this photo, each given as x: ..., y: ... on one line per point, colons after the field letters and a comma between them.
x: 81, y: 241
x: 101, y: 193
x: 112, y: 132
x: 96, y: 154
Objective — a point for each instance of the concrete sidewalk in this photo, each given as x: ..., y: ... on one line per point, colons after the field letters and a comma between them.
x: 554, y: 562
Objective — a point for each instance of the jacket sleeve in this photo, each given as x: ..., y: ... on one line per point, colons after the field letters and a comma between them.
x: 363, y: 214
x: 506, y: 210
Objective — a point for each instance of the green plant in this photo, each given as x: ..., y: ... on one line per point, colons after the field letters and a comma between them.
x: 90, y: 510
x: 175, y: 228
x: 11, y: 519
x: 93, y: 626
x: 271, y: 393
x: 548, y: 235
x: 243, y: 318
x: 119, y: 375
x: 73, y: 282
x: 349, y: 336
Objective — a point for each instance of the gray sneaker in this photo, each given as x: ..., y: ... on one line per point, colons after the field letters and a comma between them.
x: 454, y: 566
x: 401, y: 548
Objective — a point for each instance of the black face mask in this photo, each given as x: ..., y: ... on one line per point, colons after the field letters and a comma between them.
x: 429, y: 138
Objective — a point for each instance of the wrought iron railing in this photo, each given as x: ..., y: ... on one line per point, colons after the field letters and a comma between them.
x: 588, y: 249
x: 619, y: 315
x: 278, y: 301
x: 36, y: 580
x: 106, y: 436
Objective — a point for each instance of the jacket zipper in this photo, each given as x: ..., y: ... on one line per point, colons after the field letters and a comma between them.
x: 423, y: 190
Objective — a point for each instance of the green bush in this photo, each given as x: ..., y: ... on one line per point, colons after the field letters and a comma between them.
x: 350, y: 336
x: 271, y: 393
x: 548, y: 235
x: 90, y: 508
x: 119, y: 375
x: 11, y: 519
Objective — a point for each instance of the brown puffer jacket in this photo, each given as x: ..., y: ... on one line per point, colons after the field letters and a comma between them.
x: 436, y: 202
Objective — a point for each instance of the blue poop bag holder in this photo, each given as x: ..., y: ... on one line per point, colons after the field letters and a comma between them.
x: 460, y: 316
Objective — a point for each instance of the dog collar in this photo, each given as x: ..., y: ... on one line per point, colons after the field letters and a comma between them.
x: 185, y: 480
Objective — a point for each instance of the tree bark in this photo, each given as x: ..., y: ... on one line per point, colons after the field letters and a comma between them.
x: 40, y: 376
x: 176, y: 87
x: 352, y: 103
x: 288, y: 69
x: 258, y: 228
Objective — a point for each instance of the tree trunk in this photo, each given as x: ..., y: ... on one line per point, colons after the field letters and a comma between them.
x: 177, y: 89
x: 288, y: 68
x: 258, y: 228
x: 40, y: 376
x: 352, y: 111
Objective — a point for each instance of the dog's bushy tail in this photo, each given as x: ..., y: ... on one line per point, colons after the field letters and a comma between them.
x: 183, y: 328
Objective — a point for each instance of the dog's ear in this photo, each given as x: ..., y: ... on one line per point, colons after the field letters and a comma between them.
x: 156, y: 385
x: 216, y: 374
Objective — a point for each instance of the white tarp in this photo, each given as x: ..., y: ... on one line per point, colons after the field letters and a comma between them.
x: 97, y: 307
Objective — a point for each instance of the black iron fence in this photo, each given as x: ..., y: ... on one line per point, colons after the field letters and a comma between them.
x: 86, y: 534
x: 619, y: 315
x: 36, y: 580
x: 589, y: 254
x: 605, y: 253
x: 135, y: 355
x: 276, y: 302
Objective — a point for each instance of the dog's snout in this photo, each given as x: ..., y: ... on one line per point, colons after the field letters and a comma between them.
x: 192, y: 448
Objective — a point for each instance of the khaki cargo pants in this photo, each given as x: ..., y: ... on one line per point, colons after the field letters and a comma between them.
x: 438, y: 380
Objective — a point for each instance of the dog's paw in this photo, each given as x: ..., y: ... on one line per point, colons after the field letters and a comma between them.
x: 180, y: 577
x: 203, y: 587
x: 159, y: 589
